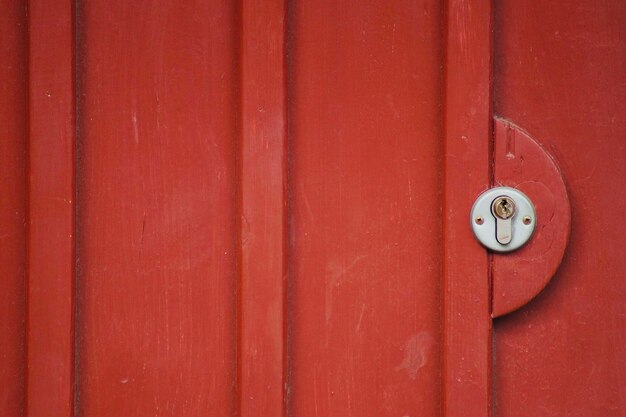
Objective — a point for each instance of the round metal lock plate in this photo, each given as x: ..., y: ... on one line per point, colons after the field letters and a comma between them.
x: 484, y: 221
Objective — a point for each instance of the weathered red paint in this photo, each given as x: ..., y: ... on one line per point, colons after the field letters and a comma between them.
x: 271, y: 208
x: 466, y: 343
x: 364, y: 191
x: 51, y: 205
x: 12, y: 204
x: 522, y: 163
x: 263, y: 141
x: 158, y: 208
x: 560, y: 75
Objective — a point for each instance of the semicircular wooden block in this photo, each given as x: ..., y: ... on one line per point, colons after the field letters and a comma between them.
x: 522, y: 163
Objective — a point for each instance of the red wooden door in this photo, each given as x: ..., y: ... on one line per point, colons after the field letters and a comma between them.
x: 261, y: 208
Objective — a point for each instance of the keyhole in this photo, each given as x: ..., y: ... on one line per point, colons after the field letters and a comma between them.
x: 503, y: 207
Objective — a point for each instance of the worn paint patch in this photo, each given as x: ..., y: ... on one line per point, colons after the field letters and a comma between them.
x: 416, y: 352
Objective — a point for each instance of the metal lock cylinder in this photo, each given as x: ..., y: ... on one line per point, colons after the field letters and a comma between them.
x: 503, y: 219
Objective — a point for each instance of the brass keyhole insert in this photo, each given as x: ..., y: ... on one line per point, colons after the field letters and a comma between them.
x: 503, y: 207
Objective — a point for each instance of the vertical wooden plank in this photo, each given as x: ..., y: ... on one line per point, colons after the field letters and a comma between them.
x: 50, y: 268
x: 562, y: 77
x: 466, y: 346
x: 263, y: 269
x: 13, y: 51
x: 158, y: 208
x: 364, y: 213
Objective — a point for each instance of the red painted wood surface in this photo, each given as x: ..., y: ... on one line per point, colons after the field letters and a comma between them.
x: 263, y: 224
x: 51, y: 195
x: 466, y: 344
x: 364, y: 190
x: 158, y: 208
x: 522, y: 163
x: 560, y: 74
x: 12, y: 204
x: 272, y: 203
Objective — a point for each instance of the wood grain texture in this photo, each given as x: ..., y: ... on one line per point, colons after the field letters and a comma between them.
x: 272, y: 208
x: 466, y: 347
x: 522, y: 163
x: 364, y: 189
x: 13, y: 193
x: 51, y: 236
x: 263, y: 192
x: 158, y: 208
x: 560, y: 74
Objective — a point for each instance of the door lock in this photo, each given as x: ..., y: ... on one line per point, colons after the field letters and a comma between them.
x: 503, y: 209
x: 503, y: 219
